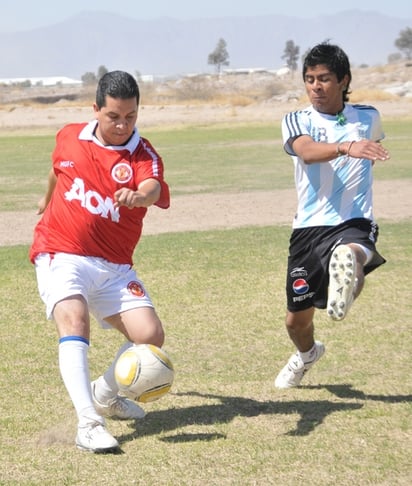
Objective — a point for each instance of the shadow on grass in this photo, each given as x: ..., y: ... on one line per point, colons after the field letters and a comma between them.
x: 346, y: 391
x: 312, y: 413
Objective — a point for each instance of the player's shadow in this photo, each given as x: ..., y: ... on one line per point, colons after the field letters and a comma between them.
x: 346, y: 391
x: 312, y: 413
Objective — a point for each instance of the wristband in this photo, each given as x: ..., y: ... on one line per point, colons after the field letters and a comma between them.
x: 339, y: 152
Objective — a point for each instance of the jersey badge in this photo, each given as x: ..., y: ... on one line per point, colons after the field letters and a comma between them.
x: 122, y: 173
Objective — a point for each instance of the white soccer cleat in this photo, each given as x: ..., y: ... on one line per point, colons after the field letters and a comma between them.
x: 118, y: 407
x: 95, y: 438
x: 292, y: 373
x: 342, y: 282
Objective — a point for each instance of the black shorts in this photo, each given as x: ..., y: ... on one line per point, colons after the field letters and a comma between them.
x: 309, y: 253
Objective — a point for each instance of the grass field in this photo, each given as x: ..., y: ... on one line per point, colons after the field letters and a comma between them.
x: 198, y: 160
x: 220, y: 295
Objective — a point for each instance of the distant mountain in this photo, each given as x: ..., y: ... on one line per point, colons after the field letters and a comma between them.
x: 167, y: 46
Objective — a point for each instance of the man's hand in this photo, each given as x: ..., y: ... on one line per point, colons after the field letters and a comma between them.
x: 147, y: 194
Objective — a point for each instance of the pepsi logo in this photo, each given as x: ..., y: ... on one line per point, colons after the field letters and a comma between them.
x: 300, y: 286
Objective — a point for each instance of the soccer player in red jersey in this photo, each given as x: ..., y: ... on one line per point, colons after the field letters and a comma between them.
x: 103, y: 178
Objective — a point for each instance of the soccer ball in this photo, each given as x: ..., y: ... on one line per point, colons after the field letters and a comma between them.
x: 144, y: 373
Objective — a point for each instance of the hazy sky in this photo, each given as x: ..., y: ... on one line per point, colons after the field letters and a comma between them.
x: 18, y: 15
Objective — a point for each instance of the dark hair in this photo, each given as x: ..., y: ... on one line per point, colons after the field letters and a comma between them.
x: 117, y: 84
x: 334, y: 58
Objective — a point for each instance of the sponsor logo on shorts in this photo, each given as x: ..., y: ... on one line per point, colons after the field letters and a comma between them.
x: 301, y: 298
x: 122, y: 173
x: 300, y: 286
x: 373, y: 233
x: 136, y: 289
x: 298, y: 272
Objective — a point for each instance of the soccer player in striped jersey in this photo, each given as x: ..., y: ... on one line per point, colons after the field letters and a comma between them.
x: 333, y: 145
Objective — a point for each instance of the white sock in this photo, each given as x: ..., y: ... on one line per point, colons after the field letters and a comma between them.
x: 74, y: 369
x: 106, y: 386
x: 308, y: 356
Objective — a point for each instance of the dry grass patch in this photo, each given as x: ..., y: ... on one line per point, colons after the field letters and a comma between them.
x: 221, y: 299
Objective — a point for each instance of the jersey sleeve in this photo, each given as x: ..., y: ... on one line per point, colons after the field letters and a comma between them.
x: 377, y: 132
x: 150, y: 166
x: 294, y: 125
x: 65, y: 137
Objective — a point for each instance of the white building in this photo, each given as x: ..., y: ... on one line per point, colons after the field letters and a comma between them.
x: 42, y: 81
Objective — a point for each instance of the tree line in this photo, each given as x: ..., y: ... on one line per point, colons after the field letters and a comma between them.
x: 219, y: 57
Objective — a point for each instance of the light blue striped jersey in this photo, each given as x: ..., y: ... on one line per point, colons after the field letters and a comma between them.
x: 330, y: 193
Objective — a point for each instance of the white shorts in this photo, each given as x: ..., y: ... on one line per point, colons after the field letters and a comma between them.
x: 108, y: 288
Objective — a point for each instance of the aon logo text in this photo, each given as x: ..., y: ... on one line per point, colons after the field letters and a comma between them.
x: 92, y: 201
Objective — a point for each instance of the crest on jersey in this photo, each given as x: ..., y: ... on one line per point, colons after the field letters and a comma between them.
x: 122, y: 172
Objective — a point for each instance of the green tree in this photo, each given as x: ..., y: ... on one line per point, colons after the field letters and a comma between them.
x: 101, y: 72
x: 304, y: 55
x: 394, y: 57
x: 404, y: 42
x: 89, y: 78
x: 219, y: 57
x: 291, y: 55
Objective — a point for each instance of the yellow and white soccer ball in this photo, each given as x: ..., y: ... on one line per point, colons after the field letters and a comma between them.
x: 144, y: 373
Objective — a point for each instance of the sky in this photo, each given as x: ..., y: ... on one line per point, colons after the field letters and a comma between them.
x: 22, y: 15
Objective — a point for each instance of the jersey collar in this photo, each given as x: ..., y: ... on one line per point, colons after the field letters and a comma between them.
x: 88, y: 134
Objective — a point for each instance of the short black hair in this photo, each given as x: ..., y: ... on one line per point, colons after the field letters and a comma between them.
x: 117, y: 84
x: 334, y: 58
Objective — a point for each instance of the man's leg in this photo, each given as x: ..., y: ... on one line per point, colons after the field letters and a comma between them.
x: 73, y: 325
x: 300, y: 328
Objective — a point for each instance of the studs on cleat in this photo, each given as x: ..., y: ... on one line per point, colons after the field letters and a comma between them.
x: 342, y: 284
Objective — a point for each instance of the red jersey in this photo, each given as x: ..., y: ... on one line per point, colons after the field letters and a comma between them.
x: 80, y: 217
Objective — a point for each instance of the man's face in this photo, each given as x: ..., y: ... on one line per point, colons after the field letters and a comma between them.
x: 116, y: 120
x: 324, y: 90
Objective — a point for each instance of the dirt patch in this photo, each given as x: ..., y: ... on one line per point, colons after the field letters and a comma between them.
x: 204, y: 211
x: 51, y: 118
x: 224, y: 211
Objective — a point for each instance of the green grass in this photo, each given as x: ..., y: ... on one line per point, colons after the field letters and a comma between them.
x: 397, y: 141
x: 25, y: 162
x: 197, y: 160
x: 220, y: 295
x: 248, y: 158
x: 221, y: 299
